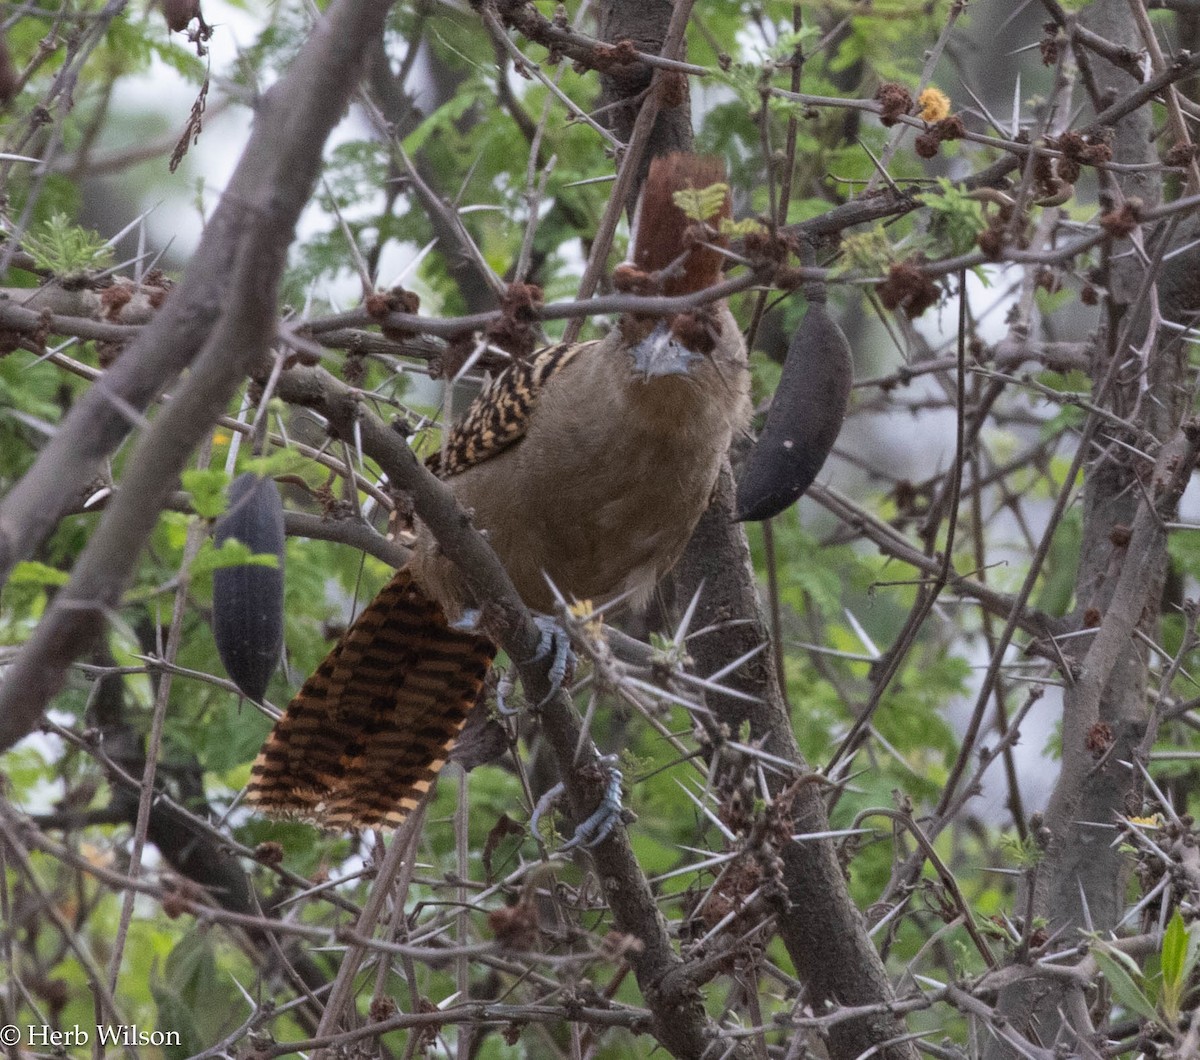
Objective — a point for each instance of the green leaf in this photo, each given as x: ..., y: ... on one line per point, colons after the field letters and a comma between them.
x: 232, y: 553
x: 60, y: 246
x: 192, y: 996
x: 281, y: 462
x: 954, y: 217
x: 737, y: 229
x: 1174, y: 952
x: 1176, y: 962
x: 30, y: 572
x: 1124, y: 989
x: 701, y: 204
x: 207, y: 488
x: 1193, y: 951
x: 870, y: 252
x: 441, y: 121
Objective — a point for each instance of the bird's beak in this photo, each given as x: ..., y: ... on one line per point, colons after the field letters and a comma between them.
x: 660, y: 353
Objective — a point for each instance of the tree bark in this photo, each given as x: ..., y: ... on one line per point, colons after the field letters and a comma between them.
x: 824, y: 933
x: 1081, y: 882
x: 222, y: 317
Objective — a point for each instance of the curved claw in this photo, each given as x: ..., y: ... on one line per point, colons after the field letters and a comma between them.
x: 504, y: 688
x: 543, y: 805
x: 597, y: 828
x: 557, y: 644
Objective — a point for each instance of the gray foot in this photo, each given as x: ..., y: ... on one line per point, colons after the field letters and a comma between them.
x: 598, y: 827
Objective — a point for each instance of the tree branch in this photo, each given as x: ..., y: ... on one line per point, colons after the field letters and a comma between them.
x: 223, y: 313
x: 680, y: 1022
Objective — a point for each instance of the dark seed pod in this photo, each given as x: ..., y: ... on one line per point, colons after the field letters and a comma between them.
x: 803, y: 421
x: 248, y: 598
x: 179, y: 13
x: 9, y: 77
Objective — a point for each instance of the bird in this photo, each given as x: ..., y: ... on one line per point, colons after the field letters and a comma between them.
x: 588, y: 466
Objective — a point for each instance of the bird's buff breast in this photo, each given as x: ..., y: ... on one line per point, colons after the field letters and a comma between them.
x: 600, y: 501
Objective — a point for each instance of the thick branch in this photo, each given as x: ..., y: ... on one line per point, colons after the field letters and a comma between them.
x: 225, y: 310
x: 272, y: 183
x: 680, y: 1022
x: 824, y: 933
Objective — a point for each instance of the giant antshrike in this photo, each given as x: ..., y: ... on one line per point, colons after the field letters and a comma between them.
x: 588, y: 465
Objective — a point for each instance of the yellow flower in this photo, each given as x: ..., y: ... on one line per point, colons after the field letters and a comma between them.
x: 934, y: 104
x: 592, y: 621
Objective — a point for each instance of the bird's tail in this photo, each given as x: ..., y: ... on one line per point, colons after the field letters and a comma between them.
x: 364, y: 739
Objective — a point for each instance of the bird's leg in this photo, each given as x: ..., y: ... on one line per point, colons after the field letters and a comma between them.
x: 598, y: 827
x: 504, y: 688
x: 554, y: 644
x: 544, y: 804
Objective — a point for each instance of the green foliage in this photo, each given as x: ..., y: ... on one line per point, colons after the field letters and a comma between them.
x: 1180, y: 951
x: 231, y: 553
x: 740, y: 229
x: 192, y: 995
x: 1024, y: 853
x: 61, y: 247
x: 701, y: 204
x: 1057, y: 588
x: 870, y: 252
x: 25, y: 595
x: 1123, y: 976
x: 206, y: 489
x: 135, y: 39
x: 956, y: 220
x: 31, y: 572
x: 1158, y: 992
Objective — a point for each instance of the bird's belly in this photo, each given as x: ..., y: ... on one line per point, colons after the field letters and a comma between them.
x: 614, y: 527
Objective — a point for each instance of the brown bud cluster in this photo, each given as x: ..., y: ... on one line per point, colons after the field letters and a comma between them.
x: 515, y: 927
x: 516, y: 330
x: 629, y: 279
x: 269, y: 852
x: 895, y: 101
x: 354, y: 368
x: 382, y: 1008
x: 672, y: 89
x: 697, y: 330
x: 380, y: 304
x: 10, y: 340
x: 1049, y: 43
x: 1079, y: 149
x: 9, y: 77
x: 397, y: 300
x: 606, y: 56
x: 114, y: 298
x: 993, y: 239
x: 1123, y: 220
x: 1181, y: 154
x: 950, y: 128
x: 908, y: 288
x: 1099, y: 739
